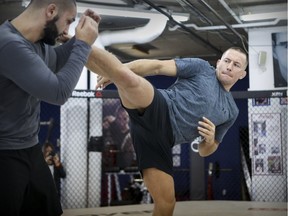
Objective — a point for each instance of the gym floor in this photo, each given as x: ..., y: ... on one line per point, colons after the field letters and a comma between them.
x: 190, y: 208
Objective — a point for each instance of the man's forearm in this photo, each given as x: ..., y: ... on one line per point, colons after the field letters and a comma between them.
x: 151, y: 67
x: 206, y: 149
x: 104, y: 63
x: 144, y: 67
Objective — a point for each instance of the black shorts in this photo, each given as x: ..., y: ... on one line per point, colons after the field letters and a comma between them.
x: 152, y: 135
x: 26, y: 184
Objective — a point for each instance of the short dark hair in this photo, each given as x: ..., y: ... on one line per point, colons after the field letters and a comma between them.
x: 62, y: 4
x: 239, y: 49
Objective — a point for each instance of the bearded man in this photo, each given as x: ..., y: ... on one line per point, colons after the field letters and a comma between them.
x: 32, y: 69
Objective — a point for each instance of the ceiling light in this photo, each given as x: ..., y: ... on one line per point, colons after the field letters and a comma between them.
x: 118, y: 2
x: 263, y: 16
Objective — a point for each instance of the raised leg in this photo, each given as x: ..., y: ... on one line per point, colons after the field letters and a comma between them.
x: 135, y: 91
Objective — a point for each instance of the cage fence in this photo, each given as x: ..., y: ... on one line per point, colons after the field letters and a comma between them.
x: 91, y: 132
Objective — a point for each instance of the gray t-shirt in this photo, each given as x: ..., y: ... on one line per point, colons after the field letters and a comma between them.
x: 30, y: 73
x: 197, y: 93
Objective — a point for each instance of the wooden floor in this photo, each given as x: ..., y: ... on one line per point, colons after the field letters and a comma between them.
x: 190, y: 208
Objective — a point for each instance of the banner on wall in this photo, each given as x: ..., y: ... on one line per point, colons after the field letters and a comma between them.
x: 267, y: 148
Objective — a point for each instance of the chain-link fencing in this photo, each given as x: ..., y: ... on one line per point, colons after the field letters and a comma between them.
x: 92, y: 135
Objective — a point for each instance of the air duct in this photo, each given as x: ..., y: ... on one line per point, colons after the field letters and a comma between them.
x: 145, y: 34
x: 152, y: 30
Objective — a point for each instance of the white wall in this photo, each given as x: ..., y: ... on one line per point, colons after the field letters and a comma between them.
x: 261, y: 78
x: 267, y: 186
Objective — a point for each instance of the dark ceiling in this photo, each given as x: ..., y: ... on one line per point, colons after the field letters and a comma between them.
x: 211, y: 27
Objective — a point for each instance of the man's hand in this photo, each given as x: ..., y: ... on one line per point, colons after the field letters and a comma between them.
x: 93, y: 15
x: 56, y: 160
x: 87, y: 28
x: 207, y: 130
x: 102, y: 82
x: 209, y: 145
x: 48, y: 158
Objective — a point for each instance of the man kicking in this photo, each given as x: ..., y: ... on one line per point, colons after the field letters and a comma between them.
x: 198, y: 105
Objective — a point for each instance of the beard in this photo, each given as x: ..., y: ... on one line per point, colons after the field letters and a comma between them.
x: 51, y: 32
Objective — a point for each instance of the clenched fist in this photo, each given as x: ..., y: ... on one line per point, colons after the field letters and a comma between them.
x: 87, y: 28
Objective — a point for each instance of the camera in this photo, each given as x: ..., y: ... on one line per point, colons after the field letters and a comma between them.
x: 52, y: 153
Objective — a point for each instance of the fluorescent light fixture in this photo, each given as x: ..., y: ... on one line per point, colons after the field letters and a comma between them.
x: 118, y: 2
x: 264, y: 16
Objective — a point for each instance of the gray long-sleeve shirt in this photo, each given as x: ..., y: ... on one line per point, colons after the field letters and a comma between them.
x: 30, y: 73
x: 197, y: 93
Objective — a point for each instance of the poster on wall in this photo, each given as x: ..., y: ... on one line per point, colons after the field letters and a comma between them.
x: 279, y: 46
x: 284, y: 101
x: 267, y: 148
x: 261, y: 101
